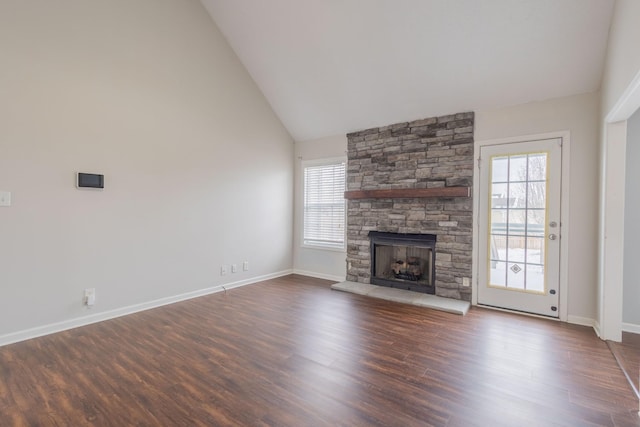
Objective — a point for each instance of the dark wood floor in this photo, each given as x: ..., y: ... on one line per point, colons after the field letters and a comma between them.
x: 291, y: 352
x: 627, y: 354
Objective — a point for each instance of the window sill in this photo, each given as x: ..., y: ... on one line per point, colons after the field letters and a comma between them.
x: 324, y: 248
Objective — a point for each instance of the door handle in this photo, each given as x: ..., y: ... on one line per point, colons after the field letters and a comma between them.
x: 553, y: 236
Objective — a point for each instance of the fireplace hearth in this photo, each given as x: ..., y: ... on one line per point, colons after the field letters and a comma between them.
x: 403, y: 261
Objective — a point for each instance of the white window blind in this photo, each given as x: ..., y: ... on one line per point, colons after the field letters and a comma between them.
x: 324, y: 206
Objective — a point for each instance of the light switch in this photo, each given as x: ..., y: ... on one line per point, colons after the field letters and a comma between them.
x: 5, y: 198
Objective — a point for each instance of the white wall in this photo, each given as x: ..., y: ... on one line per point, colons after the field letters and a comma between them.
x: 623, y: 56
x: 631, y: 288
x: 579, y: 115
x: 328, y: 264
x: 198, y: 169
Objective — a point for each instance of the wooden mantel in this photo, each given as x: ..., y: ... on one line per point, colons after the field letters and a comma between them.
x: 408, y: 193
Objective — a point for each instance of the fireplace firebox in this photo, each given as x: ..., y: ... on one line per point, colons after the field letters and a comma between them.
x: 403, y: 261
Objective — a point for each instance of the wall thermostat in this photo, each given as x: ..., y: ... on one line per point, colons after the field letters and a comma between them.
x: 90, y: 180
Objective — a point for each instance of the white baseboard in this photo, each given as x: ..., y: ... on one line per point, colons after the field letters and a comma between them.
x: 596, y: 327
x: 630, y: 327
x: 583, y: 321
x: 118, y: 312
x: 320, y: 275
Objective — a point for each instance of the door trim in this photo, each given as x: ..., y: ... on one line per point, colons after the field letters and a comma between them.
x: 564, y: 213
x: 609, y: 317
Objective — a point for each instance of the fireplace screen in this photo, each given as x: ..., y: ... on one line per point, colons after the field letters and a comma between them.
x: 405, y: 261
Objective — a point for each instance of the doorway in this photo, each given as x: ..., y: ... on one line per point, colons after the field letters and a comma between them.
x: 520, y: 228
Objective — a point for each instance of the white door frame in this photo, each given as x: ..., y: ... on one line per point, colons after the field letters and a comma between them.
x: 564, y: 213
x: 611, y: 227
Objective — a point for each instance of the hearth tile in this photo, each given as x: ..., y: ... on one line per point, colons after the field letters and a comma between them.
x: 406, y: 297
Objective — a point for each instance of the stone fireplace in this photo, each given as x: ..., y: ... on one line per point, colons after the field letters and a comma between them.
x: 412, y: 179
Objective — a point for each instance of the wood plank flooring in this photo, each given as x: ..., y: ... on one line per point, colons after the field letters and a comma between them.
x: 627, y: 354
x: 291, y: 352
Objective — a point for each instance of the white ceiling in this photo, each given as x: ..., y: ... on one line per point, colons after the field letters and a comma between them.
x: 329, y: 67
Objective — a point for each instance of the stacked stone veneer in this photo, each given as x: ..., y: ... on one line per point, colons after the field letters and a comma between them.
x: 434, y: 152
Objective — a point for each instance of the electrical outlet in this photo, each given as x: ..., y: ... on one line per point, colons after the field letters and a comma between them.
x: 245, y: 266
x: 89, y: 297
x: 466, y: 281
x: 224, y: 270
x: 234, y: 268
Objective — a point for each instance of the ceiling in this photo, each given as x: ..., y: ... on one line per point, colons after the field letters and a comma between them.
x: 329, y: 67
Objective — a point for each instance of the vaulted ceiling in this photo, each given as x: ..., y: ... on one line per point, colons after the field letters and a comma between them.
x: 329, y: 67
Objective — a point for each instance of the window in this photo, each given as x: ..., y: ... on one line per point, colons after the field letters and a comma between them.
x: 324, y: 205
